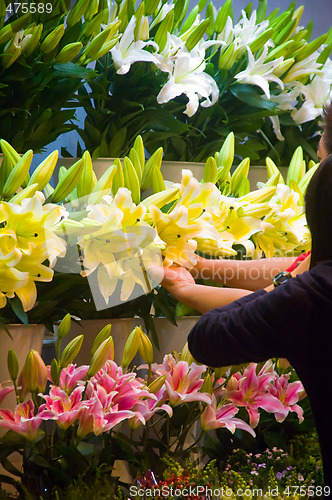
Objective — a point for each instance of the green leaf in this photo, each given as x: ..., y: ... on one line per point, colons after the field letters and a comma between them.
x: 249, y: 95
x: 17, y: 307
x: 73, y: 70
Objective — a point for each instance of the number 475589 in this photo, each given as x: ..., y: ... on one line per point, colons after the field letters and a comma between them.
x: 24, y: 8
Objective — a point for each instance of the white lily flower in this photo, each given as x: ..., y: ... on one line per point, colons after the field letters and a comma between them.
x: 308, y: 66
x: 128, y: 51
x: 188, y: 77
x: 260, y: 73
x: 316, y: 94
x: 227, y: 34
x: 247, y: 30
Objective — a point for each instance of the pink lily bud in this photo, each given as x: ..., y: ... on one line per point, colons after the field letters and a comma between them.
x: 34, y: 372
x: 104, y: 352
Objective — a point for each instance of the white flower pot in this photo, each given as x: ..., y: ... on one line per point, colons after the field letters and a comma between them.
x: 24, y: 338
x: 171, y: 337
x: 172, y: 170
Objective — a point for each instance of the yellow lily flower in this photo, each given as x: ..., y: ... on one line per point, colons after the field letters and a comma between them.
x: 173, y: 229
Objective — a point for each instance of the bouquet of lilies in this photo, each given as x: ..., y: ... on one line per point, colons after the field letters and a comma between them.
x: 186, y: 79
x: 78, y: 425
x: 110, y: 232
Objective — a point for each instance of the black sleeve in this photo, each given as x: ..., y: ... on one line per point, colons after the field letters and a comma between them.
x: 256, y: 327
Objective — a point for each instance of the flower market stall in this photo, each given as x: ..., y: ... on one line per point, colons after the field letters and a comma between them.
x: 124, y: 415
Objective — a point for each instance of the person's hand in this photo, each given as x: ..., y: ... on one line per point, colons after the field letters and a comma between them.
x: 302, y: 267
x: 199, y: 270
x: 177, y: 280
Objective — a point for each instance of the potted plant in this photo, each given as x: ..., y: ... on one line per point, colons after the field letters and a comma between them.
x: 200, y: 75
x: 45, y: 52
x: 90, y: 406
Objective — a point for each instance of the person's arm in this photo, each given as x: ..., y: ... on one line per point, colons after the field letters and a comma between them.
x: 257, y: 327
x: 181, y: 284
x: 244, y: 274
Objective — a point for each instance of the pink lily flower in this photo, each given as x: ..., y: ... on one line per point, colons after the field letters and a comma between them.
x: 251, y: 391
x: 127, y: 387
x: 22, y: 420
x: 112, y: 414
x: 4, y: 390
x: 146, y: 408
x: 215, y: 417
x: 183, y: 381
x: 91, y: 419
x: 289, y: 395
x: 70, y: 376
x: 65, y: 408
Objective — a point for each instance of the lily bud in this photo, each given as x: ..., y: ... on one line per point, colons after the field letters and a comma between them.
x: 92, y: 9
x: 52, y: 40
x: 32, y: 44
x: 104, y: 352
x: 71, y: 350
x: 185, y: 355
x: 165, y: 27
x: 225, y: 157
x: 12, y: 363
x: 259, y: 195
x: 222, y: 16
x: 283, y: 67
x: 76, y: 12
x: 207, y: 385
x: 93, y: 27
x: 34, y: 372
x: 261, y: 40
x: 143, y: 31
x: 154, y: 160
x: 210, y: 170
x: 9, y: 30
x: 239, y: 174
x: 221, y: 371
x: 157, y: 384
x: 68, y: 52
x: 55, y: 371
x: 96, y: 44
x: 145, y: 347
x: 197, y: 34
x: 64, y: 326
x: 131, y: 347
x: 103, y: 335
x: 228, y: 56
